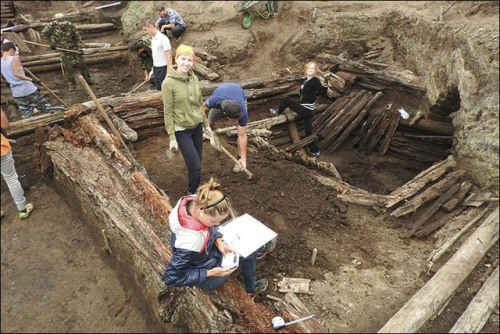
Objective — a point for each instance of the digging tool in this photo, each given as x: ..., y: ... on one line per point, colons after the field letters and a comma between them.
x: 48, y: 46
x: 218, y: 146
x: 279, y: 322
x: 477, y: 200
x: 103, y: 113
x: 45, y: 86
x: 139, y: 86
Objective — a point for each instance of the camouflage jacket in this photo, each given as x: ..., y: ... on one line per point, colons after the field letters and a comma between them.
x: 63, y: 35
x: 146, y: 57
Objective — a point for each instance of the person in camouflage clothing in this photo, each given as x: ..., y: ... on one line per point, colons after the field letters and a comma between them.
x: 63, y: 34
x: 141, y: 50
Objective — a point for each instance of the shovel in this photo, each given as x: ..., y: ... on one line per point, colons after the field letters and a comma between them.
x: 136, y: 88
x: 48, y: 46
x: 219, y: 147
x: 477, y: 200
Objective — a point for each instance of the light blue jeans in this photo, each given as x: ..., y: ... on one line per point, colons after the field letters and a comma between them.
x: 9, y: 174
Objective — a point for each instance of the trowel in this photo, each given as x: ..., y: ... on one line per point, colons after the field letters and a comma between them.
x: 279, y: 322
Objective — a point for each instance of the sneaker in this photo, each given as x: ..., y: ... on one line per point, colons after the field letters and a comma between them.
x: 275, y: 13
x: 316, y: 154
x: 270, y: 246
x: 260, y: 286
x: 274, y: 112
x: 71, y: 87
x: 27, y: 211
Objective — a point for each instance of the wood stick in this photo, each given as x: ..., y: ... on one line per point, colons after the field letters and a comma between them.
x: 45, y: 86
x: 276, y: 299
x: 139, y: 86
x: 103, y: 113
x: 480, y: 308
x: 438, y: 252
x: 57, y: 48
x: 314, y: 254
x: 223, y: 149
x: 456, y: 199
x: 440, y: 288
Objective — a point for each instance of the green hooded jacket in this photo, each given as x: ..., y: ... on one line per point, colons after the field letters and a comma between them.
x: 182, y: 101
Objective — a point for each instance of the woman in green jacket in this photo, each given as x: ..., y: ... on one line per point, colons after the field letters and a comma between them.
x: 185, y: 120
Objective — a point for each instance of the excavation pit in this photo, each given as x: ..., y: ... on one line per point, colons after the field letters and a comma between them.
x: 364, y: 270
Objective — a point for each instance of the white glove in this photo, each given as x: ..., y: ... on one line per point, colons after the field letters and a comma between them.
x: 151, y: 73
x: 174, y: 146
x: 208, y: 131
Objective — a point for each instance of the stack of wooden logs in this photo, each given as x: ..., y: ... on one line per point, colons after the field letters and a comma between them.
x: 8, y: 11
x: 355, y: 114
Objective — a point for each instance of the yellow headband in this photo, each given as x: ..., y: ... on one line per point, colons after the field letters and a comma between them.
x: 184, y: 49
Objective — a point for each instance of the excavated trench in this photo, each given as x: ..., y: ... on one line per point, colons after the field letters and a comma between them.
x: 365, y: 271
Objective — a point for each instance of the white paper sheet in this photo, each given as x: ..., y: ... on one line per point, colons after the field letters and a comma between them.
x: 246, y: 234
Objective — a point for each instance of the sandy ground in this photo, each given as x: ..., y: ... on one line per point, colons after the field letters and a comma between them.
x: 53, y: 275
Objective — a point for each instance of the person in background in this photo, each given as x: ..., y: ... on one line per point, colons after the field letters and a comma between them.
x: 185, y: 120
x: 310, y: 88
x: 198, y: 248
x: 170, y: 20
x: 161, y: 51
x: 63, y: 34
x: 9, y: 174
x: 230, y: 100
x: 141, y: 50
x: 275, y: 7
x: 27, y: 96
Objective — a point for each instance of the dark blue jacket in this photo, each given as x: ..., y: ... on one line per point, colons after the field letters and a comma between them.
x: 193, y: 248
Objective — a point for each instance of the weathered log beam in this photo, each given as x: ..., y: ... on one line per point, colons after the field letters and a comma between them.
x: 414, y: 185
x: 441, y: 128
x: 292, y: 308
x: 428, y: 213
x: 89, y: 60
x: 429, y: 194
x: 28, y: 125
x: 480, y: 308
x: 118, y: 198
x: 455, y: 200
x: 440, y: 288
x: 204, y: 71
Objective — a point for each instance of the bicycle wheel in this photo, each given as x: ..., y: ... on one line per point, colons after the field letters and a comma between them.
x: 246, y: 20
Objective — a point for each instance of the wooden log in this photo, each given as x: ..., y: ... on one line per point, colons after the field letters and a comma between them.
x: 419, y: 181
x: 440, y: 288
x: 331, y: 133
x: 17, y: 39
x: 204, y: 71
x: 28, y: 125
x: 391, y: 130
x: 428, y: 213
x: 301, y: 144
x: 480, y: 308
x: 438, y: 252
x: 90, y: 60
x: 380, y: 131
x: 293, y: 309
x: 320, y: 123
x: 441, y: 128
x: 116, y: 195
x: 376, y: 121
x: 353, y: 123
x: 341, y: 112
x: 429, y: 194
x: 349, y: 193
x: 455, y: 200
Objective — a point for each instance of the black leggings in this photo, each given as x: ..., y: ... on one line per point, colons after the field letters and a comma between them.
x: 306, y: 115
x: 191, y: 146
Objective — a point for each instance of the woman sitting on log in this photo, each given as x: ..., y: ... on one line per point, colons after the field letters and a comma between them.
x: 310, y: 88
x: 198, y: 248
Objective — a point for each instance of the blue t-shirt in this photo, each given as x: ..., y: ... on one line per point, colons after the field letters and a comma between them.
x: 229, y: 91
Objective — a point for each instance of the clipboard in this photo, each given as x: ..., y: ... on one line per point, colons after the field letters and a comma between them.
x: 245, y: 234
